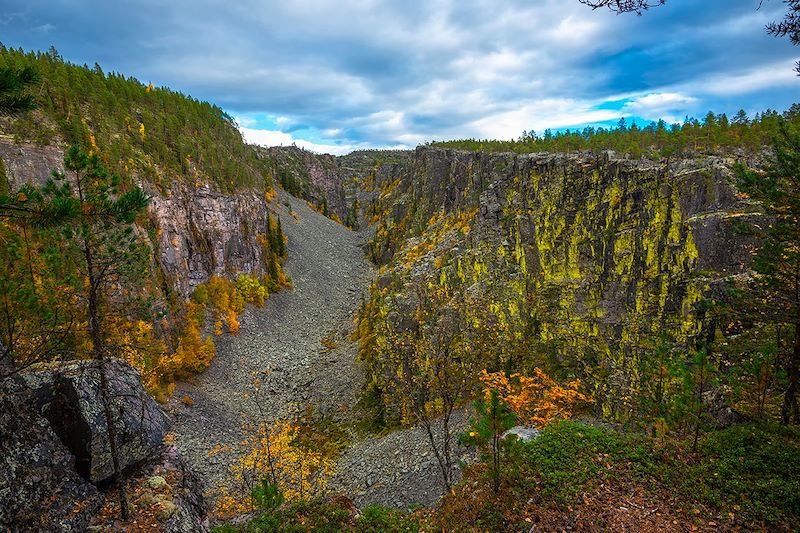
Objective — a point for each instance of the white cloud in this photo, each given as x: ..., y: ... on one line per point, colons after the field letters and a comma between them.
x: 758, y: 78
x: 279, y: 138
x: 245, y: 121
x: 656, y: 104
x: 358, y: 73
x: 539, y: 115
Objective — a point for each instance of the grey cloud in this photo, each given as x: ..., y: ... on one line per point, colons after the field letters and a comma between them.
x: 381, y: 71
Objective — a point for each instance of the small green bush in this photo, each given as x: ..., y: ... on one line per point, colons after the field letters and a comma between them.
x: 568, y: 456
x: 751, y: 470
x: 379, y: 519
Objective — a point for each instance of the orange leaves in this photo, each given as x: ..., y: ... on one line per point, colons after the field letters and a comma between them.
x: 536, y: 400
x: 496, y: 381
x: 93, y: 149
x: 233, y: 323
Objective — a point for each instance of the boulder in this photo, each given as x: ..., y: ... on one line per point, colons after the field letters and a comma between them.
x: 523, y: 433
x: 719, y: 411
x: 39, y: 487
x: 69, y: 396
x: 191, y: 508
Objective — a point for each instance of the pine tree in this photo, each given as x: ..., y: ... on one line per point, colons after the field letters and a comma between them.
x: 99, y: 241
x: 486, y: 432
x: 777, y: 263
x: 741, y: 118
x: 13, y: 82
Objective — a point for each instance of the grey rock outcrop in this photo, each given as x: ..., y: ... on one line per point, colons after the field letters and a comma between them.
x: 40, y: 489
x: 190, y: 512
x: 719, y: 411
x: 523, y: 433
x: 68, y: 395
x: 202, y: 232
x: 29, y: 163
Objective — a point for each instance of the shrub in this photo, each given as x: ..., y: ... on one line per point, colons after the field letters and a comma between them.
x: 378, y: 519
x: 751, y: 470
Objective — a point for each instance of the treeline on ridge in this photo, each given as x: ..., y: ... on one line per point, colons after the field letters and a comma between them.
x: 715, y: 133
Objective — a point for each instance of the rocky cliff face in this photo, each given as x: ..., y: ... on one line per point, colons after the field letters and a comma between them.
x: 201, y: 232
x: 591, y: 257
x: 195, y: 232
x: 28, y: 163
x: 335, y: 182
x: 312, y: 177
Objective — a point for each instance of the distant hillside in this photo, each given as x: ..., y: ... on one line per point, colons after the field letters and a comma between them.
x: 151, y: 132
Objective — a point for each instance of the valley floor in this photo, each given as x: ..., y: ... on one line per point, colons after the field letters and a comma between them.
x: 330, y: 273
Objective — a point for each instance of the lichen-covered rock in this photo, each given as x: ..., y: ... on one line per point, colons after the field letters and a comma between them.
x: 68, y: 395
x: 164, y: 495
x: 602, y: 253
x: 191, y: 508
x: 39, y: 487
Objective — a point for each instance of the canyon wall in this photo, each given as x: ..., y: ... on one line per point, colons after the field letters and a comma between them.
x: 594, y: 257
x: 195, y: 231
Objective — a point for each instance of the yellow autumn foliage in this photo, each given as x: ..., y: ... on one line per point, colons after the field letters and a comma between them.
x: 194, y: 353
x: 273, y: 453
x: 135, y: 342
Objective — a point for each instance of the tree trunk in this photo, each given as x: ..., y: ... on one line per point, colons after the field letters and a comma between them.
x: 496, y: 462
x: 790, y: 411
x: 105, y: 394
x: 112, y: 440
x: 448, y: 462
x: 426, y: 423
x: 699, y: 413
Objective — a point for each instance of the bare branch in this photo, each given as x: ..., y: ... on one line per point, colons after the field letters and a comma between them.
x: 624, y: 6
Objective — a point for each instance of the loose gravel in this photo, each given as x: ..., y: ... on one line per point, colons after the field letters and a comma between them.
x: 330, y: 274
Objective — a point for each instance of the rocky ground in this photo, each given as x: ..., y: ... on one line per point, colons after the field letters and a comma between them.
x: 330, y: 274
x: 396, y: 470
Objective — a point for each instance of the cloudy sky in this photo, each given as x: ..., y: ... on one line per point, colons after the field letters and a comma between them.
x: 334, y: 75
